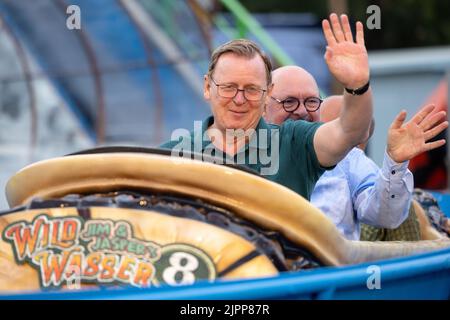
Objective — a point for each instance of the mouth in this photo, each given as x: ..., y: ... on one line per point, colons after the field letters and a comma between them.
x: 237, y: 112
x: 305, y: 117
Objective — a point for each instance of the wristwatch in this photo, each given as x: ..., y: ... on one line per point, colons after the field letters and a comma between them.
x: 359, y: 91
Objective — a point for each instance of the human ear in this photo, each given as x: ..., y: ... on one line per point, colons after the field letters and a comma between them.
x: 206, y: 88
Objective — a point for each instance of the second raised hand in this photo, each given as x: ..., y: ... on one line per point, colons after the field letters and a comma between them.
x: 405, y: 141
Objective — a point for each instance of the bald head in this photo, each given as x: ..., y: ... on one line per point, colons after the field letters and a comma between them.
x: 289, y: 73
x: 291, y: 82
x: 331, y: 108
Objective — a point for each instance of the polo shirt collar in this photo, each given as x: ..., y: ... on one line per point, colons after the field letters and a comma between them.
x: 261, y: 125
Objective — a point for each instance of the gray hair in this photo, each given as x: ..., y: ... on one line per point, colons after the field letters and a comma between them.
x: 242, y: 48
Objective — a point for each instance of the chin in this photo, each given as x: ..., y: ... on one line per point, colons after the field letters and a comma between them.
x: 231, y: 123
x: 235, y: 125
x: 306, y: 118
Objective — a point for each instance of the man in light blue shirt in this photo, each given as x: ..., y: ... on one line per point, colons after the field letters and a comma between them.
x: 356, y: 190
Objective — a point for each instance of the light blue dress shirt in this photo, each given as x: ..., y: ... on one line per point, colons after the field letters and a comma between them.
x: 356, y: 191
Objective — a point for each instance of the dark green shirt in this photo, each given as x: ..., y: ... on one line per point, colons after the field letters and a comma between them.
x: 296, y: 167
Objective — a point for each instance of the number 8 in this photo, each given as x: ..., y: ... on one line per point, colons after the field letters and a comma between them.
x: 175, y: 267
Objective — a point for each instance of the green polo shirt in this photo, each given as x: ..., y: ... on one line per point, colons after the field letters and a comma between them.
x: 284, y: 154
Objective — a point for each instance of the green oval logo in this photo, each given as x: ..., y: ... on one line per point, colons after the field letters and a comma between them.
x: 182, y: 264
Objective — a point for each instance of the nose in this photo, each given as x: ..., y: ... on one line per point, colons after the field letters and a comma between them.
x: 239, y: 98
x: 301, y: 112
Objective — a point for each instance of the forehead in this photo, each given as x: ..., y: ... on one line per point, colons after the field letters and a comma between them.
x: 294, y: 85
x: 239, y: 69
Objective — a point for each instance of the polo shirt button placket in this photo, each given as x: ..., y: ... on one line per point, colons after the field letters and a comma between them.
x: 393, y: 172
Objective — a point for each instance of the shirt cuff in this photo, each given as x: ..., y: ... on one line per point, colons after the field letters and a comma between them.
x: 390, y: 167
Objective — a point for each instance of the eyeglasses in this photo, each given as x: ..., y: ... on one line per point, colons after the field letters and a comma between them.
x: 230, y: 91
x: 291, y: 104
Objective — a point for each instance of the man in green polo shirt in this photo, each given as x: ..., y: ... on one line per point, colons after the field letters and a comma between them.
x: 296, y: 153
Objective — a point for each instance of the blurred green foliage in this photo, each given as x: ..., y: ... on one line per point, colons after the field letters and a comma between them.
x: 404, y: 23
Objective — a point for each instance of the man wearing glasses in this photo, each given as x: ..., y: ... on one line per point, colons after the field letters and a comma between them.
x: 295, y: 96
x: 356, y: 191
x: 238, y: 85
